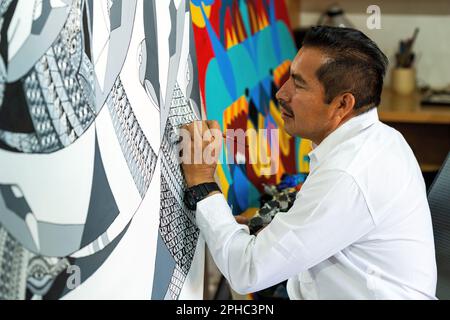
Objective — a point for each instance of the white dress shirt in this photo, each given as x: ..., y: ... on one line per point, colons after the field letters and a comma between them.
x: 360, y: 227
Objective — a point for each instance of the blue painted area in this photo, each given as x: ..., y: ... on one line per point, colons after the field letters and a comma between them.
x: 292, y: 181
x: 245, y: 16
x: 253, y: 197
x: 244, y: 70
x: 275, y: 35
x: 248, y: 66
x: 267, y: 86
x: 256, y: 97
x: 217, y: 96
x: 198, y: 3
x: 222, y: 58
x: 235, y: 209
x: 243, y: 193
x: 226, y: 5
x: 297, y: 151
x: 287, y: 45
x: 241, y: 184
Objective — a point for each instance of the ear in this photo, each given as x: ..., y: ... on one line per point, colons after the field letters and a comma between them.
x: 344, y: 105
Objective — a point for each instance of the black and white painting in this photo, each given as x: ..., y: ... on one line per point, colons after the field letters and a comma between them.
x: 91, y: 95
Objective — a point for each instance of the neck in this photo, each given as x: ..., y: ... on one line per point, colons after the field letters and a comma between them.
x: 334, y: 126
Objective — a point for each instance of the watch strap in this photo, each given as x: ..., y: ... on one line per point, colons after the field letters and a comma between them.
x: 197, y: 193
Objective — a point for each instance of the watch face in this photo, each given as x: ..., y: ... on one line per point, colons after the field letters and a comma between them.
x: 189, y: 200
x: 196, y: 195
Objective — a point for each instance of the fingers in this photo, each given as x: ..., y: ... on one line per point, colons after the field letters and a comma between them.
x: 197, y: 129
x: 213, y: 124
x: 189, y: 128
x: 242, y: 220
x: 204, y: 138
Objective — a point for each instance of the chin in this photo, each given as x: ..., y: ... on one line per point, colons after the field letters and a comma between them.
x: 289, y: 130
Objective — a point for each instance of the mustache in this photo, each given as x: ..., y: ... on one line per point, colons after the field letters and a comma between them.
x: 284, y: 106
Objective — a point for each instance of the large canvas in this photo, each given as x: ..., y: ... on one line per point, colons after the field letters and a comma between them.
x: 91, y: 95
x: 244, y: 53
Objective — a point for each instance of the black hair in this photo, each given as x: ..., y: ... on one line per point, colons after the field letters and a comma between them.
x: 355, y: 64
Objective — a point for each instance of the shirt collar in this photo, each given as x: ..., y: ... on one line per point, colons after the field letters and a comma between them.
x: 348, y: 130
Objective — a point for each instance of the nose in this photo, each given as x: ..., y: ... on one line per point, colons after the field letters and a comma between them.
x: 282, y: 94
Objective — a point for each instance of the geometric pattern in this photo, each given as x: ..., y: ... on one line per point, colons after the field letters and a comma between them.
x: 24, y: 274
x: 239, y: 78
x: 141, y: 158
x: 54, y: 104
x: 63, y: 104
x: 57, y: 102
x: 177, y: 223
x: 13, y: 267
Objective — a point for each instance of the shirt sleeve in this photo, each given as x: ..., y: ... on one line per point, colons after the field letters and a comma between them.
x: 329, y: 214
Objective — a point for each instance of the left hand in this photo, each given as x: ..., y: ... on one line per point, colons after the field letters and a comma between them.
x: 200, y: 146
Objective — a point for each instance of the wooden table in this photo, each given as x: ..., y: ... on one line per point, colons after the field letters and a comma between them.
x: 426, y: 128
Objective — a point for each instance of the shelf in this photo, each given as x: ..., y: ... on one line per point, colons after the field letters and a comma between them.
x: 427, y: 167
x: 407, y: 109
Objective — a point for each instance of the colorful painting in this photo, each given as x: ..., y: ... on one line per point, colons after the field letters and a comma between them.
x: 244, y: 51
x: 91, y: 95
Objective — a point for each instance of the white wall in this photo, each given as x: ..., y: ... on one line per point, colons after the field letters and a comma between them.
x: 432, y: 47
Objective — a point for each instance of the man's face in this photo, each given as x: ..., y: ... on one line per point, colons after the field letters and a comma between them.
x: 302, y: 98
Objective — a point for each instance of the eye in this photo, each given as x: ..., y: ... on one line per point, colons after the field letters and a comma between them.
x: 299, y: 85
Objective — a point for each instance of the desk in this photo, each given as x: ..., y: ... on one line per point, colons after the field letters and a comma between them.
x: 425, y: 128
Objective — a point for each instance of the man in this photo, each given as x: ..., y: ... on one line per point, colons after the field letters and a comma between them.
x: 360, y: 227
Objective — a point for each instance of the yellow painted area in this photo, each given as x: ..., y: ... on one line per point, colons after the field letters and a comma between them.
x: 250, y: 213
x: 235, y: 39
x: 265, y: 21
x: 197, y: 17
x: 227, y: 118
x: 259, y: 149
x: 235, y: 110
x: 280, y: 172
x: 262, y: 22
x: 231, y: 38
x: 224, y: 184
x: 281, y: 71
x: 240, y: 30
x: 285, y: 138
x: 305, y: 149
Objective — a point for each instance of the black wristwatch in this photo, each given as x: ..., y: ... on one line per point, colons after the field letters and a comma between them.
x: 195, y: 194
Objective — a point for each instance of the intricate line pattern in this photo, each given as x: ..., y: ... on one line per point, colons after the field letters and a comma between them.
x: 140, y: 157
x: 180, y: 111
x: 60, y: 97
x: 13, y: 268
x: 55, y: 92
x: 43, y: 126
x: 68, y: 54
x: 42, y: 273
x: 22, y: 272
x: 25, y: 142
x: 177, y: 226
x: 176, y: 283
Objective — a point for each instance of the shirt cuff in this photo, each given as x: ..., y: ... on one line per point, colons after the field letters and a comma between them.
x: 216, y: 221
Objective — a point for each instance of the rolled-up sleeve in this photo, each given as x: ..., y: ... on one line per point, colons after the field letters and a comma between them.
x: 329, y: 214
